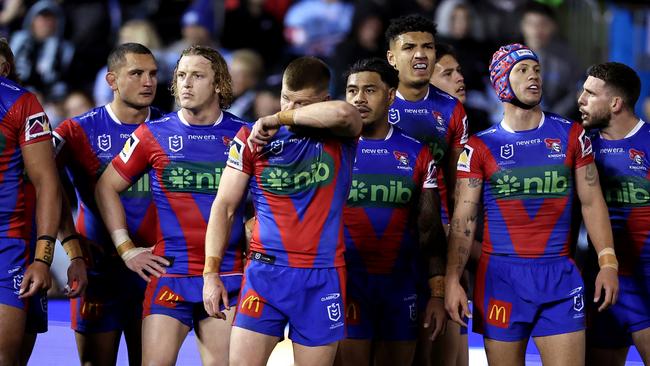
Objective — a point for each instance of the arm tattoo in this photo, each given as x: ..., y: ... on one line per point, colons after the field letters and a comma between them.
x: 591, y: 175
x: 475, y: 182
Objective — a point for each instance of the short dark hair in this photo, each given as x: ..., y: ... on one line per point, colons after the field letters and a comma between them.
x: 620, y: 78
x: 222, y: 79
x: 386, y: 72
x: 407, y: 24
x: 535, y: 7
x: 117, y: 57
x: 5, y: 51
x: 444, y: 49
x: 307, y: 72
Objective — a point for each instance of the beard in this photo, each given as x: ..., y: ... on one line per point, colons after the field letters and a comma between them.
x: 598, y: 121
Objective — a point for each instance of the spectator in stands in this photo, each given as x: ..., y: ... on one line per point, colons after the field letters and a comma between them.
x: 561, y: 73
x: 460, y: 27
x: 246, y: 70
x: 365, y: 41
x: 42, y: 54
x: 315, y: 27
x: 251, y: 26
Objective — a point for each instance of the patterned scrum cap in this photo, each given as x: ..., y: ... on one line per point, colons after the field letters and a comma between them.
x: 503, y: 60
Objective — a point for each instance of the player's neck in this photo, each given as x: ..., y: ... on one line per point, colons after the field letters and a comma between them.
x: 201, y: 116
x: 620, y: 126
x: 519, y: 119
x: 376, y: 130
x: 127, y: 114
x: 412, y: 93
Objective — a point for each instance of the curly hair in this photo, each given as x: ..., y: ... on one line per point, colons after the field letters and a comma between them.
x: 222, y: 79
x: 409, y: 23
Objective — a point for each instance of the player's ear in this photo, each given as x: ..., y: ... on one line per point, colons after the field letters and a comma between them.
x: 391, y: 59
x: 616, y: 104
x: 111, y: 79
x: 391, y: 95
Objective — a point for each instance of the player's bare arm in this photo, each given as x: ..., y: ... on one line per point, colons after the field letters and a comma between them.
x: 41, y: 169
x: 450, y: 177
x: 231, y: 190
x: 70, y: 240
x: 594, y: 212
x: 139, y: 260
x: 433, y: 242
x: 339, y: 117
x: 461, y: 236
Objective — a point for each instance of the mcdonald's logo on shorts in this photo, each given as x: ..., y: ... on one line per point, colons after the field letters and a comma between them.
x: 498, y: 313
x: 167, y: 298
x: 252, y: 304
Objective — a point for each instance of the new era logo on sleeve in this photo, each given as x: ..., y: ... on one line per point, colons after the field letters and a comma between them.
x: 236, y: 154
x: 465, y: 159
x: 129, y: 147
x: 36, y: 125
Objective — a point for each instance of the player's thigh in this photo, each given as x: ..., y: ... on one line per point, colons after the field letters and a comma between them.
x: 162, y: 337
x: 606, y: 356
x: 250, y: 348
x: 12, y: 330
x: 500, y: 353
x: 354, y: 352
x: 641, y: 340
x: 26, y: 348
x: 445, y: 348
x: 566, y: 349
x: 389, y: 353
x: 98, y: 349
x: 314, y: 356
x: 213, y: 339
x: 463, y: 350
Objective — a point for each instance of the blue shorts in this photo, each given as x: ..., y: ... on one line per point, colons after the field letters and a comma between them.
x: 182, y: 297
x: 613, y: 327
x: 308, y: 299
x: 13, y: 263
x: 515, y: 298
x: 111, y: 301
x: 381, y: 306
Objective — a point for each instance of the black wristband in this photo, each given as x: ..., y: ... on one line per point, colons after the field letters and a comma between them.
x: 42, y: 261
x: 47, y: 237
x: 70, y: 237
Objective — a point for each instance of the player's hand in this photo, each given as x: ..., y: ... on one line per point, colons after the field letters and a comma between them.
x: 36, y: 279
x: 146, y: 261
x: 263, y: 131
x: 435, y: 317
x: 77, y: 278
x: 456, y: 301
x: 606, y: 280
x: 214, y: 293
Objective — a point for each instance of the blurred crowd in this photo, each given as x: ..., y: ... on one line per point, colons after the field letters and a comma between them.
x: 61, y: 46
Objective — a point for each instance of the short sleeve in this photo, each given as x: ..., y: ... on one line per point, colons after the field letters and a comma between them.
x: 470, y: 161
x: 240, y: 157
x: 34, y: 124
x: 425, y: 170
x: 583, y: 153
x: 458, y: 126
x: 133, y: 160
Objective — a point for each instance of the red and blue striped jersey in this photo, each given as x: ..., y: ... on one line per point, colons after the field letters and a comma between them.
x: 299, y: 184
x: 528, y: 185
x: 184, y: 163
x: 85, y: 145
x: 22, y: 122
x: 624, y: 170
x: 438, y: 120
x: 380, y: 216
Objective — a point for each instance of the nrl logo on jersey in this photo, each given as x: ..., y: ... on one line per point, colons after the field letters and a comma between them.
x: 175, y: 143
x: 507, y: 151
x: 393, y: 115
x: 104, y: 142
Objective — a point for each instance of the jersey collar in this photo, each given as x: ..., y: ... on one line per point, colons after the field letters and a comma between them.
x: 388, y: 135
x: 110, y: 112
x: 508, y: 129
x: 184, y: 121
x: 400, y: 96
